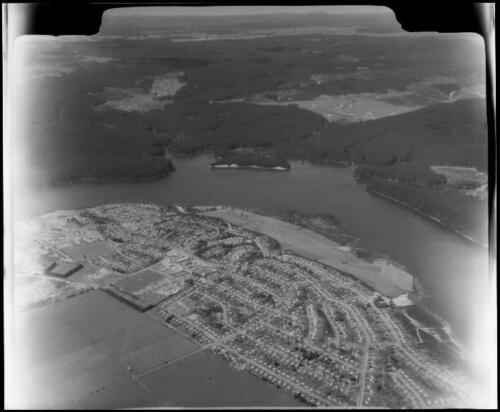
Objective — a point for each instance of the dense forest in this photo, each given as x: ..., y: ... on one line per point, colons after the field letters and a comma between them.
x: 452, y: 208
x: 69, y: 132
x: 394, y: 154
x: 447, y: 133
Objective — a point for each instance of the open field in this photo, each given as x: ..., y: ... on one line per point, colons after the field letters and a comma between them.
x: 457, y: 175
x: 381, y: 275
x: 146, y: 288
x: 99, y: 277
x: 120, y: 396
x: 138, y: 281
x: 139, y: 103
x: 350, y: 107
x: 141, y: 100
x: 76, y: 355
x: 99, y: 248
x: 94, y: 333
x: 198, y: 379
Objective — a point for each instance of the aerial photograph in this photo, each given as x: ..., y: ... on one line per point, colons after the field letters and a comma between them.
x: 249, y: 206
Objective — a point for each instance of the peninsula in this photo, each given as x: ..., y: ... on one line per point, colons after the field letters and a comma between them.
x: 206, y: 287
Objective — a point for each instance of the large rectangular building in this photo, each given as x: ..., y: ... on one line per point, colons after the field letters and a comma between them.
x: 63, y: 270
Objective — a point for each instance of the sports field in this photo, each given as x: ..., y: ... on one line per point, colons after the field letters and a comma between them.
x: 138, y: 281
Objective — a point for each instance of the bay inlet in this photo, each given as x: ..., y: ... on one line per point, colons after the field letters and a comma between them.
x: 453, y: 271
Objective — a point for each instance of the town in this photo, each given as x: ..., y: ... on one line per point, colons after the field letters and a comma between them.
x: 301, y: 325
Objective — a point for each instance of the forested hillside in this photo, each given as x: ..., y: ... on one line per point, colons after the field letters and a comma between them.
x: 447, y: 133
x: 339, y: 90
x: 395, y: 154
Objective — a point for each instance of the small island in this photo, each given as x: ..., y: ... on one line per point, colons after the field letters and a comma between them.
x: 250, y: 160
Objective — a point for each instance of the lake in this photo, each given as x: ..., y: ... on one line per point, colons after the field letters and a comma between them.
x: 453, y: 270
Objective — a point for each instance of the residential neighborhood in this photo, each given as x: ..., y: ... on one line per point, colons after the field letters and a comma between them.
x: 298, y: 324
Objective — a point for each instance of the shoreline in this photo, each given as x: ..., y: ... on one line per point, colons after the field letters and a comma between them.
x: 232, y: 166
x: 433, y: 218
x: 236, y: 166
x: 100, y: 180
x: 382, y: 276
x: 415, y: 297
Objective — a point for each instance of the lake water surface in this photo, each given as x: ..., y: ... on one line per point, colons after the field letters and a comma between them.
x: 453, y: 271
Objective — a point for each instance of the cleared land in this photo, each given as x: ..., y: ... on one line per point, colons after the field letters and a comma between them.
x: 349, y: 108
x: 138, y: 281
x: 99, y: 248
x: 140, y: 100
x: 456, y: 174
x: 121, y: 396
x: 381, y: 275
x: 76, y: 354
x: 79, y: 347
x: 206, y: 380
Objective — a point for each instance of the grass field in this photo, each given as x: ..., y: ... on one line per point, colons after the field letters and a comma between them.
x: 148, y: 286
x: 122, y: 395
x: 205, y: 380
x: 77, y: 348
x: 381, y: 275
x: 349, y: 107
x: 100, y: 277
x: 138, y: 281
x: 99, y: 248
x: 456, y: 175
x: 76, y: 354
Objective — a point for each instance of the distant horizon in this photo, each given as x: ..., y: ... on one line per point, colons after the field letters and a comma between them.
x: 216, y: 11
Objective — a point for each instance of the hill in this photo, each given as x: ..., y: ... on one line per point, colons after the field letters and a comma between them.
x: 105, y: 107
x: 446, y: 133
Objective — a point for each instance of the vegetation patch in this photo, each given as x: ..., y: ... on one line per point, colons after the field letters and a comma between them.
x: 250, y: 159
